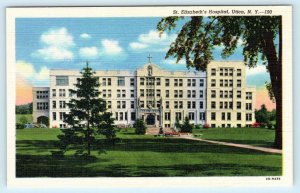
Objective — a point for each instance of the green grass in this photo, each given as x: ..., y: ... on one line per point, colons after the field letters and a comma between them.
x: 140, y: 155
x: 27, y: 116
x: 253, y: 136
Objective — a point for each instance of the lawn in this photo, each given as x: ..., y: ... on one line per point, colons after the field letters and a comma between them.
x: 140, y: 155
x: 253, y: 136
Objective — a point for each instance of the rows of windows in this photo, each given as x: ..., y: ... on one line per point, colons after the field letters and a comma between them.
x: 177, y: 82
x: 229, y: 105
x: 227, y: 116
x: 42, y: 105
x: 61, y: 115
x: 226, y: 72
x: 42, y: 94
x: 226, y: 83
x: 179, y: 116
x: 123, y: 116
x: 62, y: 104
x: 229, y: 94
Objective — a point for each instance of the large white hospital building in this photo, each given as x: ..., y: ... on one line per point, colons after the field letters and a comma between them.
x: 218, y: 97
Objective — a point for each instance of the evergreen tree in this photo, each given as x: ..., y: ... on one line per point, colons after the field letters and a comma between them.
x: 87, y: 116
x: 140, y: 127
x: 186, y: 126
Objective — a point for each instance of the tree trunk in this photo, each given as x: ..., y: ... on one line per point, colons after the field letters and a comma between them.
x: 274, y: 67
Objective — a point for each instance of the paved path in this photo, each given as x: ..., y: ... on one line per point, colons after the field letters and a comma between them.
x: 264, y: 149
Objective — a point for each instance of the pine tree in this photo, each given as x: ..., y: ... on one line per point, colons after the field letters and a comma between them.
x: 87, y: 117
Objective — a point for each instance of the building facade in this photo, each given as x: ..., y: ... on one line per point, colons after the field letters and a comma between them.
x: 158, y: 96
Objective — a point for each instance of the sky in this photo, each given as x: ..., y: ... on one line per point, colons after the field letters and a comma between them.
x: 107, y: 43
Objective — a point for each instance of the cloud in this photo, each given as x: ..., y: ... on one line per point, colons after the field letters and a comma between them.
x: 89, y: 52
x: 57, y: 44
x: 85, y: 36
x: 111, y: 47
x: 259, y: 69
x: 27, y: 71
x: 173, y: 61
x: 152, y: 41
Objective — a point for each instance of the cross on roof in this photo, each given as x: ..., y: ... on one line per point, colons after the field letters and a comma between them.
x: 149, y: 58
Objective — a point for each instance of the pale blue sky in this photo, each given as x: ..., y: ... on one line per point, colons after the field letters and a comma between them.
x: 107, y: 43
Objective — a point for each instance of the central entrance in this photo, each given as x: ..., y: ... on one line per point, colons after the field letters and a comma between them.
x: 150, y: 120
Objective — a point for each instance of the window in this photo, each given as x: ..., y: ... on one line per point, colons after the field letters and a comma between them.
x: 202, y: 116
x: 223, y: 116
x: 62, y: 93
x: 249, y: 95
x: 157, y: 81
x: 193, y: 104
x: 62, y: 104
x: 176, y: 94
x: 238, y: 94
x: 123, y: 104
x: 118, y: 104
x: 225, y: 94
x: 213, y: 72
x: 54, y: 104
x: 189, y: 104
x: 221, y: 71
x: 142, y: 104
x: 213, y: 116
x: 221, y: 105
x: 178, y: 116
x: 193, y: 94
x: 54, y: 116
x: 191, y: 116
x: 201, y: 81
x: 189, y: 82
x: 121, y: 116
x: 193, y: 82
x: 132, y: 104
x: 226, y: 72
x: 248, y: 106
x: 132, y: 93
x: 180, y: 82
x: 213, y: 82
x: 180, y: 93
x: 62, y: 80
x: 108, y: 81
x: 228, y: 116
x: 189, y: 94
x: 167, y: 116
x: 213, y: 105
x: 180, y: 104
x: 53, y: 92
x: 239, y: 83
x: 226, y: 83
x: 221, y: 83
x: 121, y: 81
x: 238, y: 116
x: 42, y: 106
x: 167, y: 104
x: 104, y: 93
x: 213, y: 93
x: 230, y: 72
x: 132, y: 116
x: 126, y: 116
x: 201, y: 104
x: 142, y: 92
x: 103, y: 81
x: 131, y: 81
x: 62, y: 115
x: 109, y: 104
x: 167, y: 93
x: 118, y: 93
x: 230, y: 94
x: 239, y: 72
x: 176, y: 104
x: 167, y: 82
x: 231, y: 82
x: 158, y: 92
x: 238, y: 105
x: 230, y: 105
x: 248, y: 117
x: 225, y: 105
x: 142, y: 81
x: 201, y: 94
x: 158, y: 104
x: 175, y: 82
x: 221, y: 94
x: 124, y: 93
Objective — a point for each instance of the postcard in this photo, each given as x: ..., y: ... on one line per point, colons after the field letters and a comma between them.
x: 162, y: 96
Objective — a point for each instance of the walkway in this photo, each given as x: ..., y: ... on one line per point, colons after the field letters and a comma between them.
x: 264, y: 149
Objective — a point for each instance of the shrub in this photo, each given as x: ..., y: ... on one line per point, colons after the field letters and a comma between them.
x: 187, y: 127
x: 140, y: 127
x: 206, y: 126
x: 19, y: 126
x: 270, y: 125
x: 198, y: 126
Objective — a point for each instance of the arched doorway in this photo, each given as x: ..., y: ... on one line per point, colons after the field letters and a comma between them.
x: 43, y: 120
x: 150, y: 120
